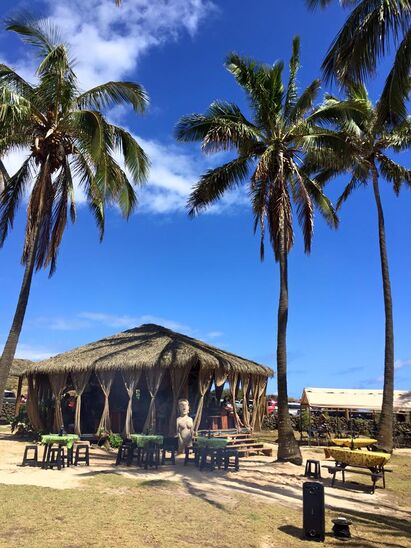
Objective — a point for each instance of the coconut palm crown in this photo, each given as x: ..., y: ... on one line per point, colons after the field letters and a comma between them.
x: 269, y: 150
x: 372, y: 27
x: 369, y: 139
x: 68, y: 141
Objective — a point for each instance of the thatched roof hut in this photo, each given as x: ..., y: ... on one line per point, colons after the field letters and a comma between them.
x: 156, y: 363
x: 144, y: 347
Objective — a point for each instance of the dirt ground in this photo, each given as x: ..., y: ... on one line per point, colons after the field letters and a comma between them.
x: 260, y: 480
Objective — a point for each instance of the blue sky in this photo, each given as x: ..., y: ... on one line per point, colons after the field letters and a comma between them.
x: 203, y: 276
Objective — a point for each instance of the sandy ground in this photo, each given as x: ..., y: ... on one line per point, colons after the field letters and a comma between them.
x: 259, y: 477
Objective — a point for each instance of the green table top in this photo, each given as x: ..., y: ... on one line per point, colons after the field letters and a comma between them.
x: 215, y: 443
x: 141, y: 439
x: 67, y: 439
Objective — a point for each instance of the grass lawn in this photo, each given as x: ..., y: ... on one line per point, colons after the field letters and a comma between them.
x: 113, y: 510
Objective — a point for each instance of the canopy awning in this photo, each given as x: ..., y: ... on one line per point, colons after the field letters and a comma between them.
x: 348, y: 398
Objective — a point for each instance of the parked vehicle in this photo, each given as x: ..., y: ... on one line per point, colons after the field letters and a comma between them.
x: 294, y: 409
x: 271, y: 407
x: 9, y: 396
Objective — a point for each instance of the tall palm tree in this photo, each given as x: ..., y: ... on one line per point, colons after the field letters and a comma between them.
x: 67, y: 138
x: 268, y: 150
x: 369, y: 137
x: 367, y: 34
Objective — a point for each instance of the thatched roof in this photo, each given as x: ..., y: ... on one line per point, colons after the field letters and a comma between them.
x: 349, y: 398
x: 19, y: 366
x: 147, y: 346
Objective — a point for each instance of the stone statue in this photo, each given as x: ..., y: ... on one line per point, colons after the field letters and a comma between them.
x: 185, y: 426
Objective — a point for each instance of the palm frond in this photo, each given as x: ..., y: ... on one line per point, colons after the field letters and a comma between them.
x: 114, y: 93
x: 135, y: 158
x: 398, y: 138
x: 215, y: 182
x: 82, y: 167
x: 11, y: 197
x: 349, y: 189
x: 392, y: 108
x: 305, y: 211
x: 64, y: 193
x: 42, y: 34
x: 394, y: 173
x: 305, y: 102
x: 322, y: 202
x: 223, y: 127
x: 14, y: 82
x: 364, y: 38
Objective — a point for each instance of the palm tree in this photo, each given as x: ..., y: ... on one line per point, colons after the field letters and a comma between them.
x: 369, y: 136
x: 67, y: 138
x: 269, y: 151
x: 365, y: 37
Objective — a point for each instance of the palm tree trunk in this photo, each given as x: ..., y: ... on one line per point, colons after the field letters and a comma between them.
x: 385, y: 430
x: 288, y: 449
x: 9, y: 350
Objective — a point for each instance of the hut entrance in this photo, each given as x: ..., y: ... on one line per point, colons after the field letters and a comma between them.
x: 92, y: 405
x: 118, y: 401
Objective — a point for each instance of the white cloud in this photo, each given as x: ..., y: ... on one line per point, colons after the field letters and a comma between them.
x: 33, y: 352
x: 84, y: 320
x: 172, y: 175
x: 214, y: 334
x: 108, y: 42
x: 399, y: 364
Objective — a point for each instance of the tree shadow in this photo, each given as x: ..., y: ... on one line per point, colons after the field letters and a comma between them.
x: 195, y: 492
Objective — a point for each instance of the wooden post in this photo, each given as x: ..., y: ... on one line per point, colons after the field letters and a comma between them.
x: 18, y: 398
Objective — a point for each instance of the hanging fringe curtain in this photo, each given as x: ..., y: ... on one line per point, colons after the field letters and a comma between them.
x: 233, y: 379
x: 220, y: 376
x: 57, y: 383
x: 130, y: 379
x: 245, y: 383
x: 80, y: 380
x: 153, y: 377
x: 259, y: 387
x: 105, y: 378
x: 178, y: 376
x: 204, y: 380
x: 33, y: 412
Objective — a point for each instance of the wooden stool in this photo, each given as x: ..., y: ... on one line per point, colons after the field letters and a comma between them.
x: 312, y: 469
x: 192, y: 454
x: 82, y: 454
x: 170, y: 445
x: 55, y: 457
x: 231, y: 459
x: 150, y: 456
x: 211, y: 458
x: 125, y: 453
x: 30, y: 460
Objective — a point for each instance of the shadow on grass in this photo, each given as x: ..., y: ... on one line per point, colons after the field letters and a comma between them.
x: 201, y: 495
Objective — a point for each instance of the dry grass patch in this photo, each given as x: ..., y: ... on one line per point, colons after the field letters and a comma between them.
x: 113, y: 510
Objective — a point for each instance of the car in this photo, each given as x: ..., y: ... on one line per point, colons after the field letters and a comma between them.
x: 9, y: 396
x: 294, y: 409
x: 271, y: 406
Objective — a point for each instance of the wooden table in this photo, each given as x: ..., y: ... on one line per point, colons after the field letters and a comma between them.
x: 357, y: 461
x: 48, y: 440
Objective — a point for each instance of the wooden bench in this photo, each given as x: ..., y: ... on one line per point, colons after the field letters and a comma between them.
x: 375, y: 474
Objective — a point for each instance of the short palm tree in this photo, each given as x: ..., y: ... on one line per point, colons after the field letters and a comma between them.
x: 365, y: 37
x: 68, y: 139
x: 269, y: 150
x: 369, y: 138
